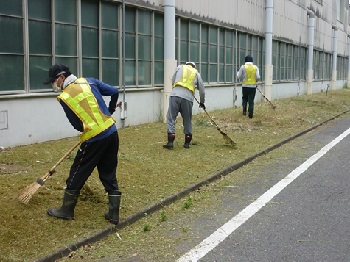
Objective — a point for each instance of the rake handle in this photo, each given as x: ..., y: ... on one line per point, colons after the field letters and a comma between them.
x: 273, y: 106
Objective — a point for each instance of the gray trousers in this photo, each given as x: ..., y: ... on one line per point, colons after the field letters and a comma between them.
x: 184, y: 107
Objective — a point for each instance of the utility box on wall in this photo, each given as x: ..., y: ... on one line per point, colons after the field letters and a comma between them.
x: 3, y: 120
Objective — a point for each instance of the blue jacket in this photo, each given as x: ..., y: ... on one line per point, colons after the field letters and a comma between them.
x: 99, y: 89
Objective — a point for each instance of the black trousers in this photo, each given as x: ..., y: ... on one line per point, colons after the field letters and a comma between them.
x: 102, y: 154
x: 248, y: 96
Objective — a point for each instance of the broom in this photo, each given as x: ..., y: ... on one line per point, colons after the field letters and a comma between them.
x: 27, y: 193
x: 273, y: 106
x: 225, y: 136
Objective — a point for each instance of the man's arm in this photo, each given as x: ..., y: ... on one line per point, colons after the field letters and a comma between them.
x: 73, y: 119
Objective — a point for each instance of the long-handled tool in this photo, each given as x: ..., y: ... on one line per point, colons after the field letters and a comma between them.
x: 225, y: 136
x: 27, y: 193
x: 273, y: 106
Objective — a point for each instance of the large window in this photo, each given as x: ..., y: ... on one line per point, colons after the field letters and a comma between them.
x: 158, y: 49
x: 204, y: 52
x: 11, y: 46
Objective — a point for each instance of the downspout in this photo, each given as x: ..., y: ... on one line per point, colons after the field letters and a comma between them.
x: 268, y: 48
x: 169, y: 52
x: 124, y: 104
x: 335, y: 52
x: 311, y: 33
x: 348, y: 84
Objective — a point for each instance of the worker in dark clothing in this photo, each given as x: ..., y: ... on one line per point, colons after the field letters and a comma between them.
x: 82, y: 101
x: 249, y: 73
x: 185, y: 80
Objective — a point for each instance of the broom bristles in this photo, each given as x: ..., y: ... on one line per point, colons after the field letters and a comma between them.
x: 29, y: 191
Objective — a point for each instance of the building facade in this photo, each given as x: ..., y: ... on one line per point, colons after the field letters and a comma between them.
x: 300, y: 47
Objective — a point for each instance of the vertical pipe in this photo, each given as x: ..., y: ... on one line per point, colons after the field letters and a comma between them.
x: 310, y: 43
x: 268, y: 50
x: 348, y: 84
x: 169, y: 51
x: 335, y: 53
x: 123, y: 111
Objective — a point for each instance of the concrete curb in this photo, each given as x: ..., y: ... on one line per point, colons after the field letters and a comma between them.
x: 151, y: 209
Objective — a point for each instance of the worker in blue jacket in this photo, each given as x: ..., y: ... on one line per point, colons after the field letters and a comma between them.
x: 82, y: 101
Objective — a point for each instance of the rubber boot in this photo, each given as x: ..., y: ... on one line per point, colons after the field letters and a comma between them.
x: 114, y: 203
x: 250, y: 115
x: 66, y: 211
x: 171, y: 139
x: 244, y: 110
x: 188, y: 139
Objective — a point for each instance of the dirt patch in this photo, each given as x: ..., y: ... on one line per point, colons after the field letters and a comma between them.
x: 11, y: 169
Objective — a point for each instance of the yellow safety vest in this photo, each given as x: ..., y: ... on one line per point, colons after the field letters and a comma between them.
x: 80, y: 99
x: 187, y: 79
x: 250, y: 72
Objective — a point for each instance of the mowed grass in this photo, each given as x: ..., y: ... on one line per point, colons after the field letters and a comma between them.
x: 146, y: 172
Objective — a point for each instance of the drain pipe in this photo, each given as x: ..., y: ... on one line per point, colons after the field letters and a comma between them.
x: 311, y: 33
x: 348, y: 84
x: 335, y: 52
x: 124, y: 104
x: 169, y: 52
x: 268, y: 48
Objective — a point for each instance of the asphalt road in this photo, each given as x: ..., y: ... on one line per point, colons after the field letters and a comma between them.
x: 306, y: 217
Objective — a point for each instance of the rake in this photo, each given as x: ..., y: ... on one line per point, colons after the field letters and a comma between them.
x: 27, y: 193
x: 225, y: 136
x: 273, y: 106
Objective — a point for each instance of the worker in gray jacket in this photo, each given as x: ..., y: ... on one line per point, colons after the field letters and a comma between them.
x: 249, y: 73
x: 185, y: 80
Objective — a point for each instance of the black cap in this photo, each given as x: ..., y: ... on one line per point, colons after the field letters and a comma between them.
x: 249, y: 58
x: 54, y: 72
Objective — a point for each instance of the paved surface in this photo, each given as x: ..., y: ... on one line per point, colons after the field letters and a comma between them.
x: 309, y: 220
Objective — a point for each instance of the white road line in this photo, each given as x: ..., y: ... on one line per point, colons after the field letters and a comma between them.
x: 223, y: 232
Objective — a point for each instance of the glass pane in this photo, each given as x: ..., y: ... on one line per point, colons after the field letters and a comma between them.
x: 64, y: 47
x: 70, y: 62
x: 39, y: 9
x: 204, y: 34
x: 213, y: 73
x: 194, y: 52
x: 144, y: 22
x: 89, y: 10
x: 184, y: 30
x: 12, y: 28
x: 110, y: 71
x: 110, y: 43
x: 40, y: 38
x: 66, y: 11
x: 38, y: 71
x: 130, y: 24
x: 109, y: 15
x: 144, y: 47
x: 228, y: 39
x: 159, y: 48
x: 213, y: 54
x: 90, y: 42
x: 11, y: 7
x: 194, y: 29
x: 130, y: 73
x: 221, y: 73
x: 130, y: 46
x: 204, y: 72
x: 229, y: 74
x: 204, y: 53
x: 159, y: 73
x: 221, y: 54
x: 229, y: 55
x: 213, y: 35
x: 158, y: 25
x: 90, y: 68
x: 144, y: 73
x: 184, y: 51
x: 11, y: 75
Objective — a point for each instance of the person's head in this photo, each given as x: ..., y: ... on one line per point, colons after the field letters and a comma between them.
x: 57, y: 75
x: 191, y: 64
x: 248, y: 58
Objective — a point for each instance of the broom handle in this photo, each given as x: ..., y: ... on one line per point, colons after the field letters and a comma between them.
x: 53, y: 169
x: 212, y: 120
